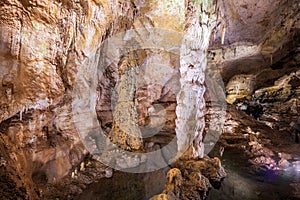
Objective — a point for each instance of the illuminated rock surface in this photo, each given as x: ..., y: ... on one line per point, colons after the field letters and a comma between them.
x: 147, y: 97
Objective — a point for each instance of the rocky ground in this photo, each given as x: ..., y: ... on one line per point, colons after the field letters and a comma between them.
x: 260, y: 162
x: 260, y: 156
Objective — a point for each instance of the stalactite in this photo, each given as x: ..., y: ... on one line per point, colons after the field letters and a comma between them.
x: 21, y: 115
x: 223, y: 34
x: 271, y: 59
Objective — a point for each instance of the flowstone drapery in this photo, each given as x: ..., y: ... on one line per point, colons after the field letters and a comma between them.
x: 190, y: 123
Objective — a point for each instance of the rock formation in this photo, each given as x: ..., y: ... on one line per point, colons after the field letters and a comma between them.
x: 91, y: 79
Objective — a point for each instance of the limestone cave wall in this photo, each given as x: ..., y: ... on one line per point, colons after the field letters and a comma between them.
x: 45, y: 45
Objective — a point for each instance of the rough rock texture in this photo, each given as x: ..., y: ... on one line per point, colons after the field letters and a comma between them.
x: 259, y: 36
x: 266, y: 146
x: 192, y: 179
x: 40, y: 70
x: 173, y: 185
x: 86, y: 172
x: 259, y: 138
x: 43, y: 44
x: 46, y: 45
x: 239, y: 86
x: 125, y: 131
x: 190, y: 121
x: 154, y: 98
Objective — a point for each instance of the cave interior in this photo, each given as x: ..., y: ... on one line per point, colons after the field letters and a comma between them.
x: 159, y: 100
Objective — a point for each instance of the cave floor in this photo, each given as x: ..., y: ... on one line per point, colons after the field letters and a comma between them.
x: 126, y: 186
x: 261, y: 163
x: 243, y: 181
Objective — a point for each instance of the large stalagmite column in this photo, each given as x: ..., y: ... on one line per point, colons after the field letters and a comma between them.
x: 125, y: 131
x: 190, y: 123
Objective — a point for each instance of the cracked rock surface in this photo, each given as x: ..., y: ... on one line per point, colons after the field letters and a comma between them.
x: 48, y: 48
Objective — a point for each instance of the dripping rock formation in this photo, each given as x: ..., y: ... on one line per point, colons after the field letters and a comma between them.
x: 199, y: 98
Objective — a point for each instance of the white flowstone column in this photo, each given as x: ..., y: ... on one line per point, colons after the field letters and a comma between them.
x: 190, y: 121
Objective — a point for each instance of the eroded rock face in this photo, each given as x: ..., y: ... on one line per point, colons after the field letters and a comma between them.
x: 39, y: 71
x: 43, y: 44
x: 192, y: 179
x: 284, y: 89
x: 154, y: 99
x: 125, y: 132
x: 251, y: 46
x: 240, y: 86
x: 258, y: 138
